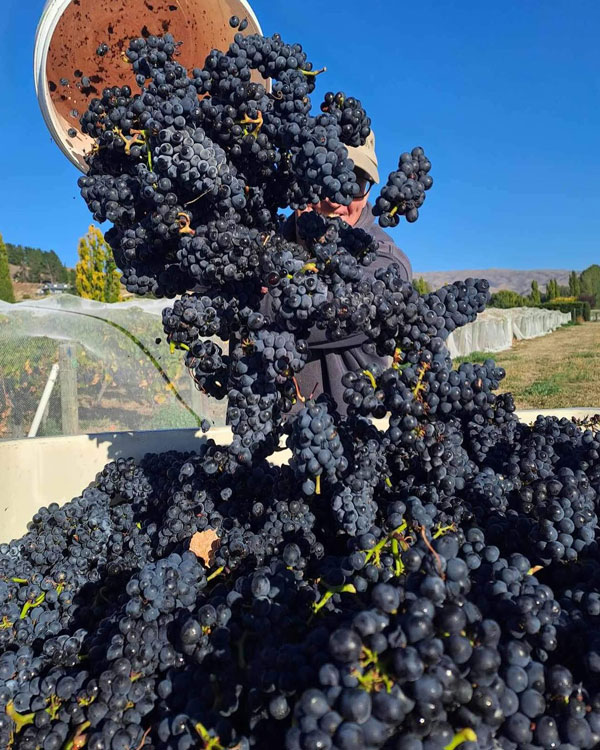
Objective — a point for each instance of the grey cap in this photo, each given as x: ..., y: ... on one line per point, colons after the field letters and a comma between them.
x: 365, y: 158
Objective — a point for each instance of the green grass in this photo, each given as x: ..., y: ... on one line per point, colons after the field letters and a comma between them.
x: 584, y: 355
x: 545, y: 387
x: 481, y: 357
x: 558, y: 370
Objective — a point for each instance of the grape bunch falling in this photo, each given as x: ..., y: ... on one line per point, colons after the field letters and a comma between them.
x: 431, y: 584
x: 404, y: 193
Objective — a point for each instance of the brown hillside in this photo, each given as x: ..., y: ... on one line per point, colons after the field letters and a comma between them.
x: 499, y: 278
x: 23, y: 290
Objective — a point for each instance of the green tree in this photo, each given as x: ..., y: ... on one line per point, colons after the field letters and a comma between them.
x: 507, y: 298
x: 551, y: 289
x: 96, y: 275
x: 54, y: 268
x: 590, y: 282
x: 574, y: 284
x: 421, y: 285
x: 6, y: 288
x: 535, y: 295
x: 16, y: 254
x: 35, y: 264
x: 112, y: 289
x: 72, y: 280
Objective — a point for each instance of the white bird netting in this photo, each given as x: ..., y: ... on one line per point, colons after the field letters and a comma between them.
x: 108, y: 367
x: 495, y: 329
x: 115, y: 369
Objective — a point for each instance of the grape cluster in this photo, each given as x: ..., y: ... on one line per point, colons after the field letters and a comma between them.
x: 192, y: 171
x: 427, y: 583
x: 203, y: 315
x: 208, y: 174
x: 123, y: 481
x: 356, y: 125
x: 399, y: 607
x: 317, y: 450
x: 208, y: 367
x: 353, y: 504
x: 404, y: 192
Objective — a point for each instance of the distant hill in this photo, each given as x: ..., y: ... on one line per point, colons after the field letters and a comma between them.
x: 29, y: 267
x: 499, y: 278
x: 32, y: 265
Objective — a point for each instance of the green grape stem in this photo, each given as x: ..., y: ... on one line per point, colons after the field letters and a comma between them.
x: 465, y: 735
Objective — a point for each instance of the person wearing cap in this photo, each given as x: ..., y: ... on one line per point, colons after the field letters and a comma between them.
x: 329, y: 360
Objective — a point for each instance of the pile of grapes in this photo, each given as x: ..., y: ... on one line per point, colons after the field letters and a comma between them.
x: 426, y: 585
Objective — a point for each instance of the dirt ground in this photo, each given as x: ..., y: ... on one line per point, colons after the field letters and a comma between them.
x: 558, y: 370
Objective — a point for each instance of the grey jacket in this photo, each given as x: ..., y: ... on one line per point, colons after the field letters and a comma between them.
x: 329, y: 360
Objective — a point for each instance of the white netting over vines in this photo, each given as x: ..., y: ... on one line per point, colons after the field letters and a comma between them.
x: 115, y: 370
x: 495, y: 329
x: 123, y: 375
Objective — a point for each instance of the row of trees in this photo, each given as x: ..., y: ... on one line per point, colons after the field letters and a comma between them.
x: 509, y: 298
x: 95, y: 276
x: 582, y: 287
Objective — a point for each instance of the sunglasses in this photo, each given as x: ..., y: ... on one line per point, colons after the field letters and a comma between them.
x: 365, y: 184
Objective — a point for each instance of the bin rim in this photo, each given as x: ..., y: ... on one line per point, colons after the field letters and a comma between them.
x: 74, y: 148
x: 225, y: 432
x: 43, y: 470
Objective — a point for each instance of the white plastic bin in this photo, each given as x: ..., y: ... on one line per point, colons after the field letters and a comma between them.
x: 38, y: 471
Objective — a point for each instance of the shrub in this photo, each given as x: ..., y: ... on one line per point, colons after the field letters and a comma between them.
x: 578, y: 309
x: 506, y: 298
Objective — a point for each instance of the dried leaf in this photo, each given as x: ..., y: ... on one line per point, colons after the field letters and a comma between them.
x: 203, y: 544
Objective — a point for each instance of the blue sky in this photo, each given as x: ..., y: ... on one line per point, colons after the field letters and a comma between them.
x: 503, y: 96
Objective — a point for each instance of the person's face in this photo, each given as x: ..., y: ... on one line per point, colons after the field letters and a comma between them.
x: 350, y: 214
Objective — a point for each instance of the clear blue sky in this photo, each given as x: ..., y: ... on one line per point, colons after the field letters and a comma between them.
x: 503, y: 95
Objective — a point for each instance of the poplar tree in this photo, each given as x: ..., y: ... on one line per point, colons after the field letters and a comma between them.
x: 574, y: 284
x: 112, y: 290
x: 96, y: 275
x: 552, y: 289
